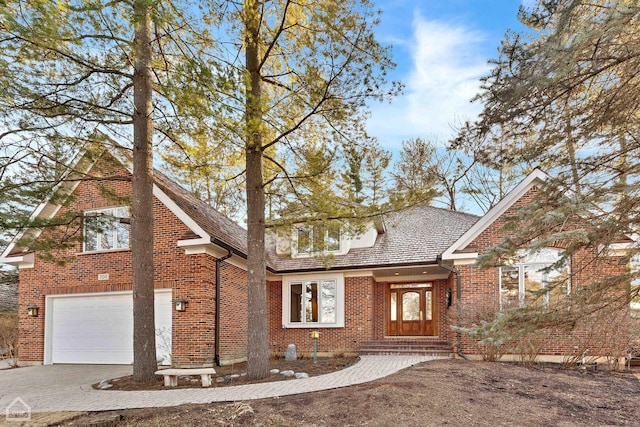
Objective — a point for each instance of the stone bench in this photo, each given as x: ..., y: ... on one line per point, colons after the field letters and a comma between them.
x: 171, y: 375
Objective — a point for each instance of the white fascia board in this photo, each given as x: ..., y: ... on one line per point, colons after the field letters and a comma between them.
x: 20, y: 261
x: 182, y: 215
x: 46, y: 209
x: 271, y: 277
x: 464, y: 261
x: 193, y: 242
x: 463, y: 255
x: 204, y: 246
x: 509, y: 200
x: 359, y: 273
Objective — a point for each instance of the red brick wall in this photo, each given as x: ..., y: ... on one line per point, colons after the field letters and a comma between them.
x: 361, y: 323
x: 379, y: 310
x: 480, y: 293
x: 365, y: 318
x: 233, y: 310
x: 442, y: 311
x: 191, y: 277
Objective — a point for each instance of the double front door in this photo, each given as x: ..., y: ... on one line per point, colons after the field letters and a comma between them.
x: 411, y: 310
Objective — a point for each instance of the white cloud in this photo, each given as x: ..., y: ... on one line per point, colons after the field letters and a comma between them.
x: 446, y: 63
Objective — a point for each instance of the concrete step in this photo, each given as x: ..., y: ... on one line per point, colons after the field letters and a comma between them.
x: 396, y: 352
x: 421, y: 346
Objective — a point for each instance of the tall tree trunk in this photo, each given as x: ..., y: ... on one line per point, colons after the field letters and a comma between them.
x: 144, y: 337
x: 257, y: 346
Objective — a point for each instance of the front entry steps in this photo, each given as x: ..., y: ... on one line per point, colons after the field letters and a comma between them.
x: 423, y: 346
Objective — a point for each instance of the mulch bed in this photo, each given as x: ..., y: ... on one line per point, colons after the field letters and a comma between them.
x: 323, y: 366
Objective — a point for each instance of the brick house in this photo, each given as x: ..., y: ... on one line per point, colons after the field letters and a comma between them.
x: 396, y: 284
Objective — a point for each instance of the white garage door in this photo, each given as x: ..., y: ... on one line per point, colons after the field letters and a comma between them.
x: 98, y: 328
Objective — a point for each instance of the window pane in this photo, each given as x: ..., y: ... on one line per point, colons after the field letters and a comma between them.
x: 558, y: 284
x: 411, y: 306
x: 412, y: 286
x: 311, y: 301
x: 328, y: 301
x: 304, y: 240
x: 333, y: 240
x: 103, y: 230
x: 534, y: 279
x: 509, y: 287
x: 296, y: 302
x: 393, y: 306
x: 428, y: 314
x: 90, y: 238
x: 106, y: 239
x: 122, y: 236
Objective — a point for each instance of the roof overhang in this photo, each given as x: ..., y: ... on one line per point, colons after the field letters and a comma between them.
x: 26, y: 260
x: 453, y: 252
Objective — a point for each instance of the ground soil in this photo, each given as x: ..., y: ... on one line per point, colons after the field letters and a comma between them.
x: 307, y: 365
x: 437, y: 393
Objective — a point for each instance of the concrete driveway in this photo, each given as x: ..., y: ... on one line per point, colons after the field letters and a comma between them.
x: 55, y: 387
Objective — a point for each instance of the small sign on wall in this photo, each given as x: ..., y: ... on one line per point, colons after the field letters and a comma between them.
x: 103, y: 276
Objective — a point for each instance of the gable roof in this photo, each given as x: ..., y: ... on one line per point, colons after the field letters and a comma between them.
x: 535, y: 177
x: 417, y: 235
x: 80, y: 165
x: 204, y: 221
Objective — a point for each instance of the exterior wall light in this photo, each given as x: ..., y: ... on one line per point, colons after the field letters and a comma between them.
x: 32, y: 310
x: 181, y: 304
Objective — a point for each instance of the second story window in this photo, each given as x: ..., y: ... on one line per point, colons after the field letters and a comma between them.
x: 317, y: 239
x: 104, y: 229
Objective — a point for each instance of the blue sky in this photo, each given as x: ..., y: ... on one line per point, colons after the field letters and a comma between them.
x: 441, y: 48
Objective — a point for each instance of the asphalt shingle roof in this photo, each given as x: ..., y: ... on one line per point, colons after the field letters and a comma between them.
x: 414, y: 236
x: 213, y: 222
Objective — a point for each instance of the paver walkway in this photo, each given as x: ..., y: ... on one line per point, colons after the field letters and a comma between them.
x: 68, y: 387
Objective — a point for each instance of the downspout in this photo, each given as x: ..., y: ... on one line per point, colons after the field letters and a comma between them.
x: 217, y: 318
x: 458, y: 297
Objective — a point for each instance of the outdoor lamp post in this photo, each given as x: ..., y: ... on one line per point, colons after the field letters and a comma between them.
x: 315, y: 335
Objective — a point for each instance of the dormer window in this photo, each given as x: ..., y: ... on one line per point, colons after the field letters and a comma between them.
x: 317, y: 239
x: 105, y: 230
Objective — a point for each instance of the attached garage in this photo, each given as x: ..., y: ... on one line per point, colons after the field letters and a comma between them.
x: 98, y: 328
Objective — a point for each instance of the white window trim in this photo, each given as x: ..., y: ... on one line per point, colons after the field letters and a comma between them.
x: 521, y: 279
x: 287, y: 281
x: 90, y: 212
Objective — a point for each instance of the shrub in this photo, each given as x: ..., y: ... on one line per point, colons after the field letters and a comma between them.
x: 9, y: 337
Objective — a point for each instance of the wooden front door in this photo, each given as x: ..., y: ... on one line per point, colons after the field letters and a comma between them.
x: 411, y: 310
